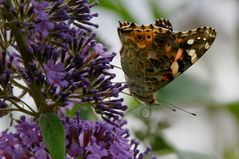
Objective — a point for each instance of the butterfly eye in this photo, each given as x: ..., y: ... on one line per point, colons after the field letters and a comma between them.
x: 139, y: 38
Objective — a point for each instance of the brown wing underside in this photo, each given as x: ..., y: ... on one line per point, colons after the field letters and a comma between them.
x: 152, y: 57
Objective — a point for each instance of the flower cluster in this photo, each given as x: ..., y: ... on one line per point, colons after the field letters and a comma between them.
x: 57, y: 58
x: 84, y: 139
x: 49, y: 53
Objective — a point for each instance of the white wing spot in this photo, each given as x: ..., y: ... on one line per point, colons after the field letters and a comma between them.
x: 193, y: 55
x: 194, y: 29
x: 185, y: 32
x: 198, y: 38
x: 174, y: 67
x: 207, y: 45
x: 190, y: 41
x: 194, y: 58
x: 192, y: 52
x: 212, y: 35
x: 204, y: 39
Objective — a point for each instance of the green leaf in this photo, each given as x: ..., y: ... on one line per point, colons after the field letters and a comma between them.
x: 85, y: 109
x: 160, y: 144
x: 234, y: 109
x: 117, y: 7
x: 53, y: 133
x: 231, y: 153
x: 156, y: 10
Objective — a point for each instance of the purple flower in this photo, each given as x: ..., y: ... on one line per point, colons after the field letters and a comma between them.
x: 55, y: 74
x: 41, y: 23
x: 39, y: 7
x: 2, y: 1
x: 84, y: 139
x: 25, y: 142
x: 96, y: 152
x: 66, y: 64
x: 99, y: 48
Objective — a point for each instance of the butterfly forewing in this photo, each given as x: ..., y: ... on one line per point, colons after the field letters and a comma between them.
x: 196, y: 42
x: 192, y: 45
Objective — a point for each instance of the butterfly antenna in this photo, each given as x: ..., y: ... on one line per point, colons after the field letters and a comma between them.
x: 168, y: 107
x: 143, y: 111
x: 172, y: 107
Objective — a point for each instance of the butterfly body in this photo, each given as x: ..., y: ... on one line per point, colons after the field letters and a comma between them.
x: 153, y: 55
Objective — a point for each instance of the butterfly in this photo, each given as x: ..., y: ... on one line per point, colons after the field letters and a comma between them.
x: 154, y: 55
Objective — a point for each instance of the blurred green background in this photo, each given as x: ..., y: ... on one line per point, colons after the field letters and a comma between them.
x: 210, y: 88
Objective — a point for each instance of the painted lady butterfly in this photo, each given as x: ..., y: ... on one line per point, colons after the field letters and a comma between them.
x: 154, y: 55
